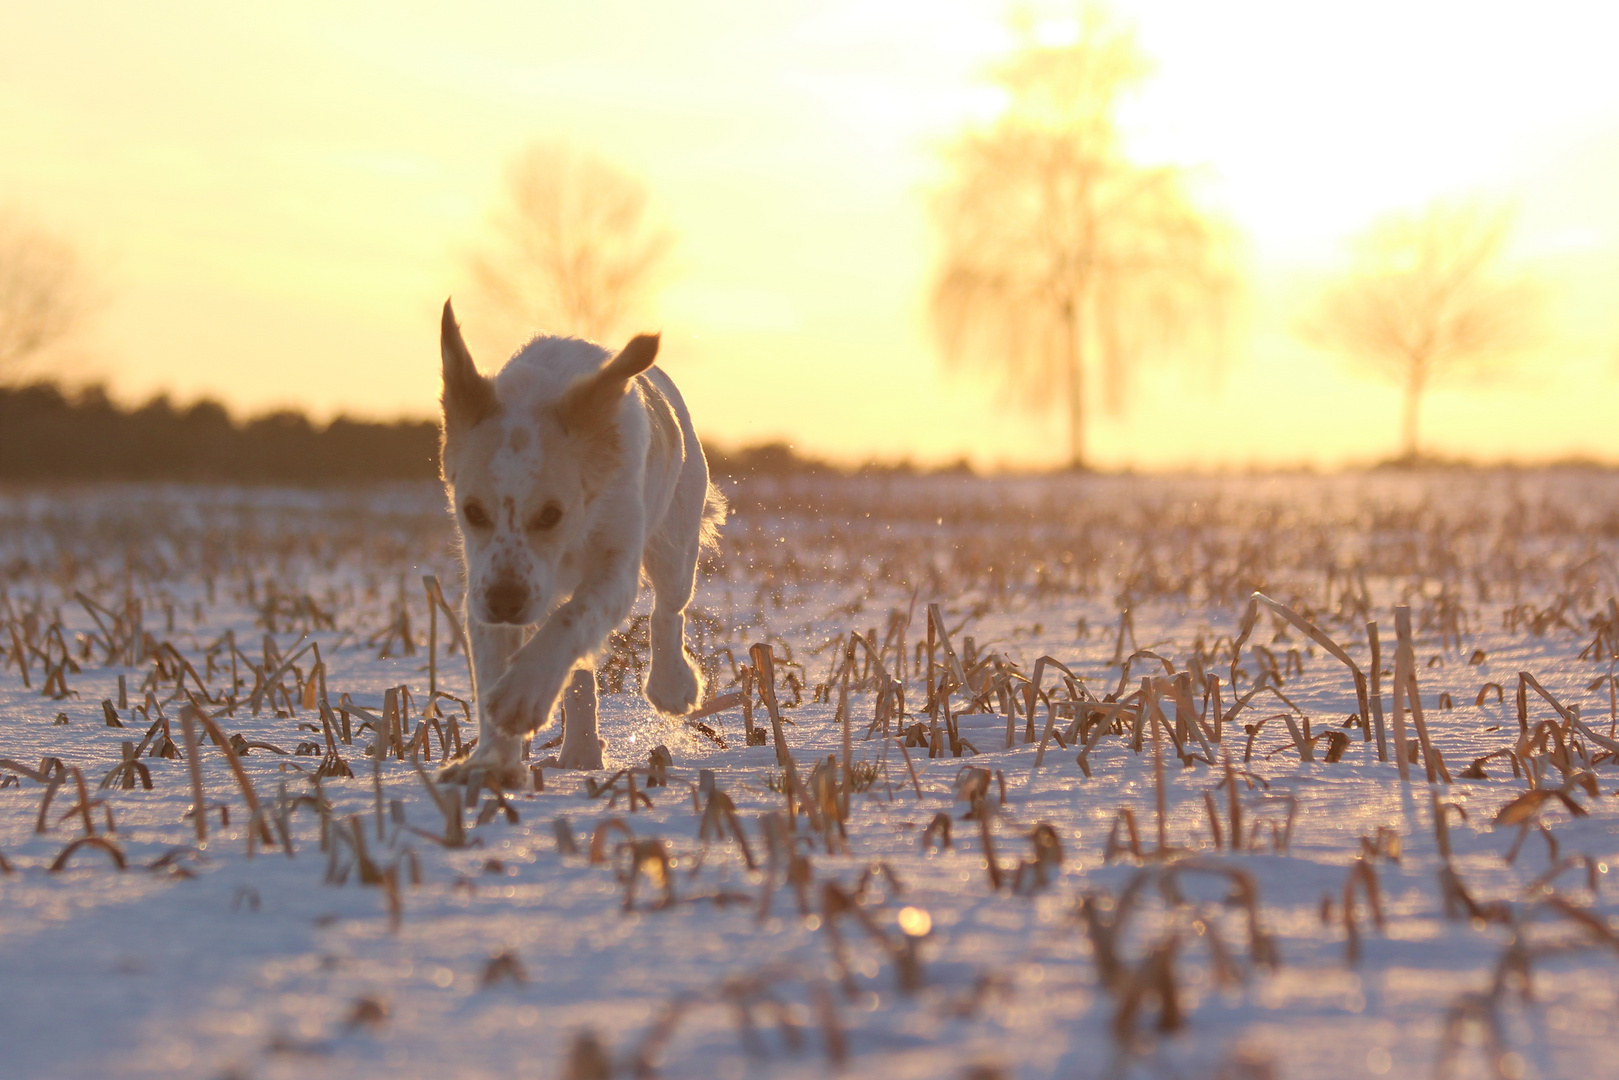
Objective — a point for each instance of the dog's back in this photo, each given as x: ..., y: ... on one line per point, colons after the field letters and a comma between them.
x: 675, y: 461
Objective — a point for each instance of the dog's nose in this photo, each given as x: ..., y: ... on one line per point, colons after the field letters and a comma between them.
x: 505, y: 600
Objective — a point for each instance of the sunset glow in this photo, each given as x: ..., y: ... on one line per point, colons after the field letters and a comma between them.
x: 276, y: 201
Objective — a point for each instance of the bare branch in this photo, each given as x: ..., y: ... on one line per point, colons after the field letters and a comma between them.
x: 577, y: 245
x: 42, y: 294
x: 1424, y: 302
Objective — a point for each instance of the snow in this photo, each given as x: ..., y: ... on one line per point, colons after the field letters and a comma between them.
x: 225, y: 963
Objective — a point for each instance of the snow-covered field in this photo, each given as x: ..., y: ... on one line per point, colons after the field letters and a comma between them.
x: 380, y: 932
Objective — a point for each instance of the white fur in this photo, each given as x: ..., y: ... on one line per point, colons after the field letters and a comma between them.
x: 546, y: 442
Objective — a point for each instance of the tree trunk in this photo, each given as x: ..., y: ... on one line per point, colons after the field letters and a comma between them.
x: 1409, y: 417
x: 1074, y: 345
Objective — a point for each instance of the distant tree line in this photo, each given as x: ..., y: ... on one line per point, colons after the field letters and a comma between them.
x: 47, y: 434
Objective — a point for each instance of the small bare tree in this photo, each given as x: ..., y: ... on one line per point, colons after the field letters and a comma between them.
x: 42, y: 293
x: 1424, y: 302
x: 578, y: 247
x: 1057, y: 248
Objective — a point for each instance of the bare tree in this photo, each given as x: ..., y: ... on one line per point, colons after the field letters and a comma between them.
x: 42, y: 293
x: 1057, y: 247
x: 578, y: 247
x: 1425, y: 302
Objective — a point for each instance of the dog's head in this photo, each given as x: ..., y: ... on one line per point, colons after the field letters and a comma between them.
x: 523, y: 476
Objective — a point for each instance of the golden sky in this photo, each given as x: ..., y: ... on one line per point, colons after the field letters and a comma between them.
x: 277, y: 198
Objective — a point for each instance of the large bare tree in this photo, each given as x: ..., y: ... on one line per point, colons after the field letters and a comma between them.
x: 1057, y: 248
x: 1426, y: 301
x: 42, y: 293
x: 577, y: 246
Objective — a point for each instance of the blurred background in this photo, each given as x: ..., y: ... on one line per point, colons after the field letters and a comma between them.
x: 1157, y: 236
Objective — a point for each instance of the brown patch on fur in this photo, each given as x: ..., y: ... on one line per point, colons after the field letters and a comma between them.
x: 601, y: 447
x: 588, y: 410
x: 593, y: 399
x: 603, y: 451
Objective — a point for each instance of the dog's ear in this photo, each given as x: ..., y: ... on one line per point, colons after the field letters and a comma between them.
x: 592, y: 399
x: 469, y: 397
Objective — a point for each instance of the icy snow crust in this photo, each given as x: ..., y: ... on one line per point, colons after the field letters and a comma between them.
x: 221, y: 964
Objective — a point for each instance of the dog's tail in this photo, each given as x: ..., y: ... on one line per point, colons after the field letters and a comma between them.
x: 714, y: 509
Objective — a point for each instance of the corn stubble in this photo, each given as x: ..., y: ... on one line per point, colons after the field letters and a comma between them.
x: 1208, y: 735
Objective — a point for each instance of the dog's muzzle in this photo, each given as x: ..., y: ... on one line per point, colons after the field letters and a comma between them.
x: 504, y: 601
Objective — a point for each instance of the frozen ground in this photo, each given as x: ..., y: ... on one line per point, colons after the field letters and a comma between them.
x: 211, y: 960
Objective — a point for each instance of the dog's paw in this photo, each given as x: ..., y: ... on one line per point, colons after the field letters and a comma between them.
x: 587, y: 756
x: 508, y: 774
x: 519, y: 705
x: 673, y: 687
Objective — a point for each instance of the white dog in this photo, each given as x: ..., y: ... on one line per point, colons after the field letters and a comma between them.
x: 569, y: 474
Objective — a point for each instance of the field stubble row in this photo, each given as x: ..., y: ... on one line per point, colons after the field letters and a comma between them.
x: 1013, y: 753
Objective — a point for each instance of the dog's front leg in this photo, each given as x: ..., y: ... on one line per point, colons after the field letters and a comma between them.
x: 581, y: 748
x: 525, y: 696
x: 498, y: 755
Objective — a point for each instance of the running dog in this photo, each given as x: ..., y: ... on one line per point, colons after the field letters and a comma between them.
x: 570, y: 474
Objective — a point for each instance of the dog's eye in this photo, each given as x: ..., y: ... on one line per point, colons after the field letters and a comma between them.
x: 547, y: 518
x: 475, y: 514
